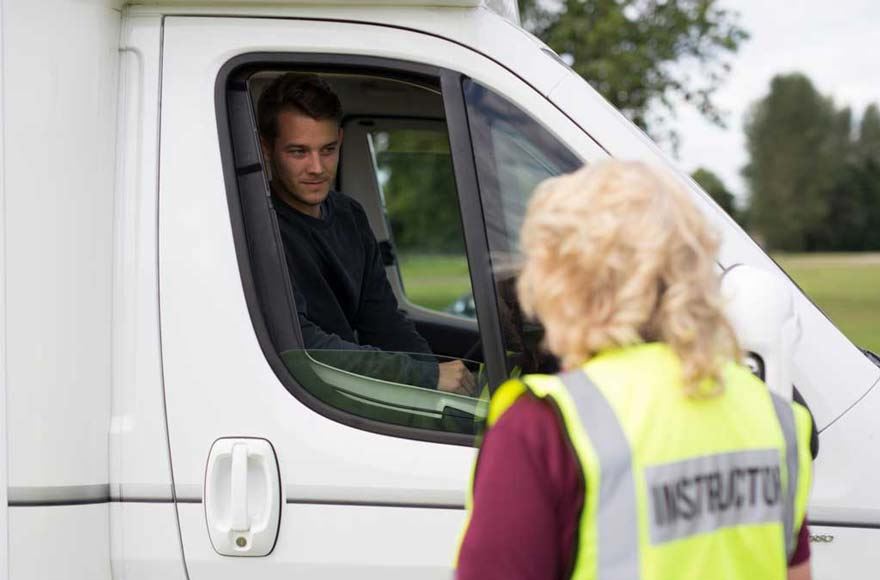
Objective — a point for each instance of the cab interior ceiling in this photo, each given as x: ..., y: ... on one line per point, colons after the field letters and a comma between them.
x: 365, y: 95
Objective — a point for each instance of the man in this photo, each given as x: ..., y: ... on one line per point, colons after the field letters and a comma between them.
x: 343, y: 298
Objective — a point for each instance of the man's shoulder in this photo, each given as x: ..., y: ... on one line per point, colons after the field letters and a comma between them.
x: 345, y: 205
x: 344, y: 201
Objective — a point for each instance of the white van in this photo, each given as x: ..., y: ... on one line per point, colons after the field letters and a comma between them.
x: 162, y: 419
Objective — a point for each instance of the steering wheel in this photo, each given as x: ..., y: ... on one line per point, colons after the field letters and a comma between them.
x: 476, y: 350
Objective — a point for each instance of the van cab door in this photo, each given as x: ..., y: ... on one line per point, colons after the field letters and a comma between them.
x: 286, y: 465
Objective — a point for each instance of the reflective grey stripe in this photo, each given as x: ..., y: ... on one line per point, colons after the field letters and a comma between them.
x: 785, y: 414
x: 710, y: 492
x: 617, y: 517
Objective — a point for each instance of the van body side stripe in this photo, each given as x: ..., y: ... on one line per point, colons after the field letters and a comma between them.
x: 59, y: 494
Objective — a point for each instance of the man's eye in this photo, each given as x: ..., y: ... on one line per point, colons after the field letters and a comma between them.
x: 328, y: 150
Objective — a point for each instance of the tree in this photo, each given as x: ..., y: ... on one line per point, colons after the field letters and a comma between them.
x: 797, y: 144
x: 640, y: 52
x: 716, y: 189
x: 419, y: 191
x: 870, y: 175
x: 868, y: 144
x: 845, y: 226
x: 867, y: 153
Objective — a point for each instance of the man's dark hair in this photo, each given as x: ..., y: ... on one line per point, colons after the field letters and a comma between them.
x: 307, y: 94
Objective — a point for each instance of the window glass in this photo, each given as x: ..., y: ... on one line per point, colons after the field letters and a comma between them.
x: 414, y: 171
x: 515, y: 153
x: 362, y: 353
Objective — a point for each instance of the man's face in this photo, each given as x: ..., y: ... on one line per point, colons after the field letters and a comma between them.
x: 304, y: 158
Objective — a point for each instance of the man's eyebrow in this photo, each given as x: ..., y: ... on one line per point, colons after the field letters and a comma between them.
x: 333, y: 143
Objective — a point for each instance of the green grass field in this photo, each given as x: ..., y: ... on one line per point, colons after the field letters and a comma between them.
x: 434, y: 281
x: 845, y: 286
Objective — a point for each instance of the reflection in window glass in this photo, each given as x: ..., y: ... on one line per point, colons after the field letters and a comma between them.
x: 325, y: 374
x: 520, y: 167
x: 515, y: 153
x: 414, y: 170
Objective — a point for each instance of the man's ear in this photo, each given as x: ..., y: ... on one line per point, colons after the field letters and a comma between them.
x: 266, y: 147
x: 339, y: 140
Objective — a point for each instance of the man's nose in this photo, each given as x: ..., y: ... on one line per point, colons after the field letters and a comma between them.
x: 315, y: 165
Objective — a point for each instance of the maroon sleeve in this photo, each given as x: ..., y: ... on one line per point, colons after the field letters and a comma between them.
x: 527, y: 496
x: 802, y: 551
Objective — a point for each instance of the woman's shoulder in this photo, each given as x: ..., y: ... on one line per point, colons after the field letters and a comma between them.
x: 528, y: 411
x: 528, y: 478
x: 532, y: 429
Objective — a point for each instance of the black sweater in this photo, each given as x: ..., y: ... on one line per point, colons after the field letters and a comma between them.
x: 343, y: 297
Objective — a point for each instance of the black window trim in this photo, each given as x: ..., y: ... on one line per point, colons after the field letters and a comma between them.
x: 242, y: 167
x: 474, y: 225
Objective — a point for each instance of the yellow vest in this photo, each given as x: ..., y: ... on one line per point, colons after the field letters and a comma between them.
x: 676, y: 487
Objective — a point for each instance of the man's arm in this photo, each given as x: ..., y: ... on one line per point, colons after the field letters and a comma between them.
x: 363, y: 359
x: 381, y: 323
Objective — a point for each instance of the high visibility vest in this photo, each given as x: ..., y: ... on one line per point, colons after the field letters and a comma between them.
x: 677, y: 487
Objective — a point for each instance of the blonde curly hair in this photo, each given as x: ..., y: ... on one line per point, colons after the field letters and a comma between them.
x: 616, y: 254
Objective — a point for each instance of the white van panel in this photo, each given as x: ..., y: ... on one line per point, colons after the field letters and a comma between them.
x: 844, y: 552
x: 4, y: 505
x: 478, y: 28
x: 847, y: 478
x: 324, y: 542
x: 144, y: 542
x: 139, y: 457
x: 844, y: 509
x: 59, y: 542
x: 60, y: 82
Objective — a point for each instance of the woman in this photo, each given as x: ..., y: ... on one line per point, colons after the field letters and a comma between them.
x: 655, y: 454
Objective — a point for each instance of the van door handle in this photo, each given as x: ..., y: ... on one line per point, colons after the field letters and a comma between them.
x: 242, y: 496
x: 239, y: 492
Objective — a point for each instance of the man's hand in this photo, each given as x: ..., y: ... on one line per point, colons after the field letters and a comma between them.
x: 453, y: 377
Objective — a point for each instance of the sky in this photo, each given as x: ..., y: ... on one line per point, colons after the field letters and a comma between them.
x: 834, y: 43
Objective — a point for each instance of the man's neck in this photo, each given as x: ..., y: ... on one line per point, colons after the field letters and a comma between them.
x: 304, y: 208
